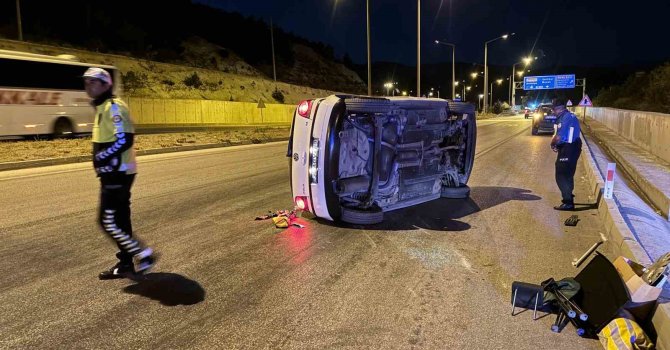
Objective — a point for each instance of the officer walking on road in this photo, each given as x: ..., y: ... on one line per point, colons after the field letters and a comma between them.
x: 114, y: 163
x: 568, y: 144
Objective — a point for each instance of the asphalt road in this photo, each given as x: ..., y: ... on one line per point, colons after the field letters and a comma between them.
x: 435, y: 276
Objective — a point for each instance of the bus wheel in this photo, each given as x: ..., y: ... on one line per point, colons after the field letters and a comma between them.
x: 62, y: 128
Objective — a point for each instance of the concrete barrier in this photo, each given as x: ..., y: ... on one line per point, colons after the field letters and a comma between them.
x: 623, y: 240
x: 648, y: 130
x: 148, y: 111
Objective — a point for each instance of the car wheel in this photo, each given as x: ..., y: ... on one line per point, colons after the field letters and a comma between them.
x: 534, y: 131
x: 456, y: 192
x: 373, y: 215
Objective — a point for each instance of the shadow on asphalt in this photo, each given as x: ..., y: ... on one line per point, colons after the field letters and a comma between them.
x: 442, y: 214
x: 169, y: 289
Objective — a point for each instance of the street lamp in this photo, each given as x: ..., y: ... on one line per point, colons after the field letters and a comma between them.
x: 388, y: 86
x: 453, y: 67
x: 498, y: 81
x: 526, y: 61
x: 486, y: 68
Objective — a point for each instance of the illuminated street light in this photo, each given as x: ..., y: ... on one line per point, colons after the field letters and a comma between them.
x: 486, y: 68
x: 388, y: 86
x: 526, y: 61
x: 499, y: 81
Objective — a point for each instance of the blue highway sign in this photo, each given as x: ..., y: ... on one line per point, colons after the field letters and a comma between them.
x: 547, y: 82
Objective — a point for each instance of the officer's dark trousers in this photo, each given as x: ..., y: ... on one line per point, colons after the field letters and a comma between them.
x: 566, y: 164
x: 114, y: 213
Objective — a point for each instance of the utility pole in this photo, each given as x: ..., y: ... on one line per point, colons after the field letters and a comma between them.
x: 367, y: 8
x: 18, y: 19
x: 418, y: 48
x: 272, y: 39
x: 453, y: 72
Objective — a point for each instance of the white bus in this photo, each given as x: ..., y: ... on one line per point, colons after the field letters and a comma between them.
x: 44, y: 95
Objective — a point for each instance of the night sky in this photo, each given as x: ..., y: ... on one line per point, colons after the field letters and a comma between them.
x: 568, y: 32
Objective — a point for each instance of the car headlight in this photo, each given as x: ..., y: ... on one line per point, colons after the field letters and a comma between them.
x: 314, y: 162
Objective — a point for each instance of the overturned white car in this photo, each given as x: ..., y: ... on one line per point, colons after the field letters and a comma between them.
x: 352, y: 158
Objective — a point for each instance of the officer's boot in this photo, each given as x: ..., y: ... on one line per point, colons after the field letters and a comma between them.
x: 144, y: 261
x: 122, y: 269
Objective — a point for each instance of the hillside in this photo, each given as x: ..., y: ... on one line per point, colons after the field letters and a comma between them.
x: 145, y: 78
x: 184, y: 33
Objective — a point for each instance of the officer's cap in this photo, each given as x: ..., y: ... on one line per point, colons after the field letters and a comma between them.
x: 558, y: 101
x: 98, y: 73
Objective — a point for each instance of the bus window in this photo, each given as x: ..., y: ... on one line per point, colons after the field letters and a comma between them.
x: 40, y: 75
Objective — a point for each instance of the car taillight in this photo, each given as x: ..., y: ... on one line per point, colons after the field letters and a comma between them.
x: 301, y: 203
x: 304, y: 108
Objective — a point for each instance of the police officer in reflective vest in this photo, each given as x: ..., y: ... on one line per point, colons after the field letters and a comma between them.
x: 114, y: 163
x: 568, y: 144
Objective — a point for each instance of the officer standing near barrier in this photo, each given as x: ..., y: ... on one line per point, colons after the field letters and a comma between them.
x: 114, y: 163
x: 568, y: 144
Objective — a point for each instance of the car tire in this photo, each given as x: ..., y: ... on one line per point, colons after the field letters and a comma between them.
x: 456, y: 192
x: 373, y: 215
x: 534, y: 131
x: 371, y: 105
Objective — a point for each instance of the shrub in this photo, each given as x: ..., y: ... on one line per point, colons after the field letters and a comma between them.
x: 278, y: 96
x: 133, y: 81
x: 193, y: 81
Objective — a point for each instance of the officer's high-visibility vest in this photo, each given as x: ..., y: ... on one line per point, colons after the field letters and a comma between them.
x: 111, y: 118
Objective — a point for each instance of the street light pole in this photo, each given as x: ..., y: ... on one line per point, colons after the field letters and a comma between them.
x: 18, y: 19
x: 453, y: 67
x: 486, y: 75
x: 418, y: 48
x: 367, y: 9
x: 526, y: 61
x: 513, y: 93
x: 486, y: 67
x: 491, y: 95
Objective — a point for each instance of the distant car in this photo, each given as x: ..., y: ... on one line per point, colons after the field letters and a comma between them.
x: 352, y: 158
x: 543, y: 119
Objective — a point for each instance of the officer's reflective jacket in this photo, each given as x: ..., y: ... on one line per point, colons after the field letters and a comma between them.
x: 113, y: 136
x: 567, y: 128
